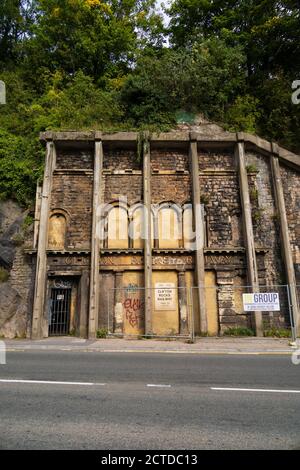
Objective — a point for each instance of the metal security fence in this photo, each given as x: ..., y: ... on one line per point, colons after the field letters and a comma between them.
x: 231, y: 308
x: 175, y: 311
x: 172, y: 312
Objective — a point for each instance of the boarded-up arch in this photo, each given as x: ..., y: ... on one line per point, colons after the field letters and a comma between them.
x: 117, y: 229
x: 137, y: 232
x: 169, y: 227
x: 188, y: 227
x: 57, y: 232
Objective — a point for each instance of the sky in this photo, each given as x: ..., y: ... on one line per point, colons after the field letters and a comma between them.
x: 166, y: 3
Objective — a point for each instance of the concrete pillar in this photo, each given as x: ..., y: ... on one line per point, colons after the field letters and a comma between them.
x: 252, y: 271
x: 183, y: 304
x: 147, y: 237
x: 285, y: 239
x: 39, y: 322
x: 37, y: 214
x: 199, y: 229
x: 83, y: 313
x: 118, y: 304
x: 95, y: 242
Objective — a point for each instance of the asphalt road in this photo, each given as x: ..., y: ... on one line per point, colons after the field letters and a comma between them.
x: 148, y: 401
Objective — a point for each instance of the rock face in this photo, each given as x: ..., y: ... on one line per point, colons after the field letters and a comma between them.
x: 13, y: 312
x: 11, y: 219
x: 13, y: 302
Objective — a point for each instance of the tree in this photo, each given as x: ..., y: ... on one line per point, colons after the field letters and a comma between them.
x: 206, y: 79
x: 268, y: 30
x: 96, y: 36
x: 16, y: 16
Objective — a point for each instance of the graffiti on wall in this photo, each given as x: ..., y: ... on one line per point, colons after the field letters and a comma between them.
x: 133, y: 305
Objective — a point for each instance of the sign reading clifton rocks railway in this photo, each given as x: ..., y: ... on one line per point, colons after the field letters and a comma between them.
x: 165, y: 296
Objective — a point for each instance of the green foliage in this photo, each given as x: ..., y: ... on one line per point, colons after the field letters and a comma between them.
x: 239, y: 331
x: 104, y: 64
x: 102, y: 333
x: 204, y: 79
x: 251, y: 169
x: 243, y: 114
x: 204, y: 199
x: 277, y: 332
x: 19, y: 169
x: 79, y: 105
x: 4, y: 275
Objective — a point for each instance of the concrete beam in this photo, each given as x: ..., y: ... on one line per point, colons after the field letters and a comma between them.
x: 95, y: 242
x: 199, y: 228
x: 39, y: 322
x: 248, y: 232
x: 147, y: 236
x: 285, y: 239
x: 176, y: 137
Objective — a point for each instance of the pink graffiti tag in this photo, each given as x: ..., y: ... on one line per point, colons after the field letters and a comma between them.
x: 133, y: 308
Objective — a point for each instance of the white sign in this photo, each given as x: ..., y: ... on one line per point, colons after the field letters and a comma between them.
x: 60, y: 297
x: 264, y: 301
x: 165, y: 296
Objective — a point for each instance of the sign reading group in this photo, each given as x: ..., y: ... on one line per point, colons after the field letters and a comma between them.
x: 259, y: 302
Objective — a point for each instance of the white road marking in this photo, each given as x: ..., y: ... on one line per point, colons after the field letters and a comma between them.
x: 159, y: 385
x: 254, y: 390
x: 48, y: 382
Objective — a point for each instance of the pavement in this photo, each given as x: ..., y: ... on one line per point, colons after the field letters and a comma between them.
x: 204, y: 345
x: 87, y: 399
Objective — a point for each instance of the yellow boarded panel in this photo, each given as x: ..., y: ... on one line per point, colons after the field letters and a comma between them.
x: 57, y: 232
x: 117, y: 228
x: 165, y: 314
x: 188, y: 232
x: 133, y: 303
x: 138, y: 227
x: 211, y: 302
x: 168, y: 228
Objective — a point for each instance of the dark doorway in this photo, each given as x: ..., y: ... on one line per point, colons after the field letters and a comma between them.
x: 60, y: 306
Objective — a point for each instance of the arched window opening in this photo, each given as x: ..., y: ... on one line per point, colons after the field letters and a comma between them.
x: 188, y: 227
x: 57, y: 232
x: 137, y: 228
x: 169, y: 227
x: 117, y: 229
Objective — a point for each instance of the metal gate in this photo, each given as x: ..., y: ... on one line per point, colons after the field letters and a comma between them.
x: 59, y: 314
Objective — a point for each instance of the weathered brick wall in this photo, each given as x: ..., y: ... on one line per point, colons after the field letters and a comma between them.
x: 116, y: 160
x: 73, y: 193
x: 169, y: 161
x: 117, y: 186
x: 74, y: 159
x: 122, y: 176
x: 175, y: 188
x: 222, y: 206
x: 215, y: 160
x: 170, y: 180
x: 265, y: 222
x: 290, y: 181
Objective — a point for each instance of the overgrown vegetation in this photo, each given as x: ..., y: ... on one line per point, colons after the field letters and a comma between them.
x: 277, y: 332
x: 111, y: 65
x: 239, y: 331
x: 102, y: 333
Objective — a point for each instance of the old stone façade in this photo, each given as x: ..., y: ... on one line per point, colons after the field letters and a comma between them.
x: 249, y: 223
